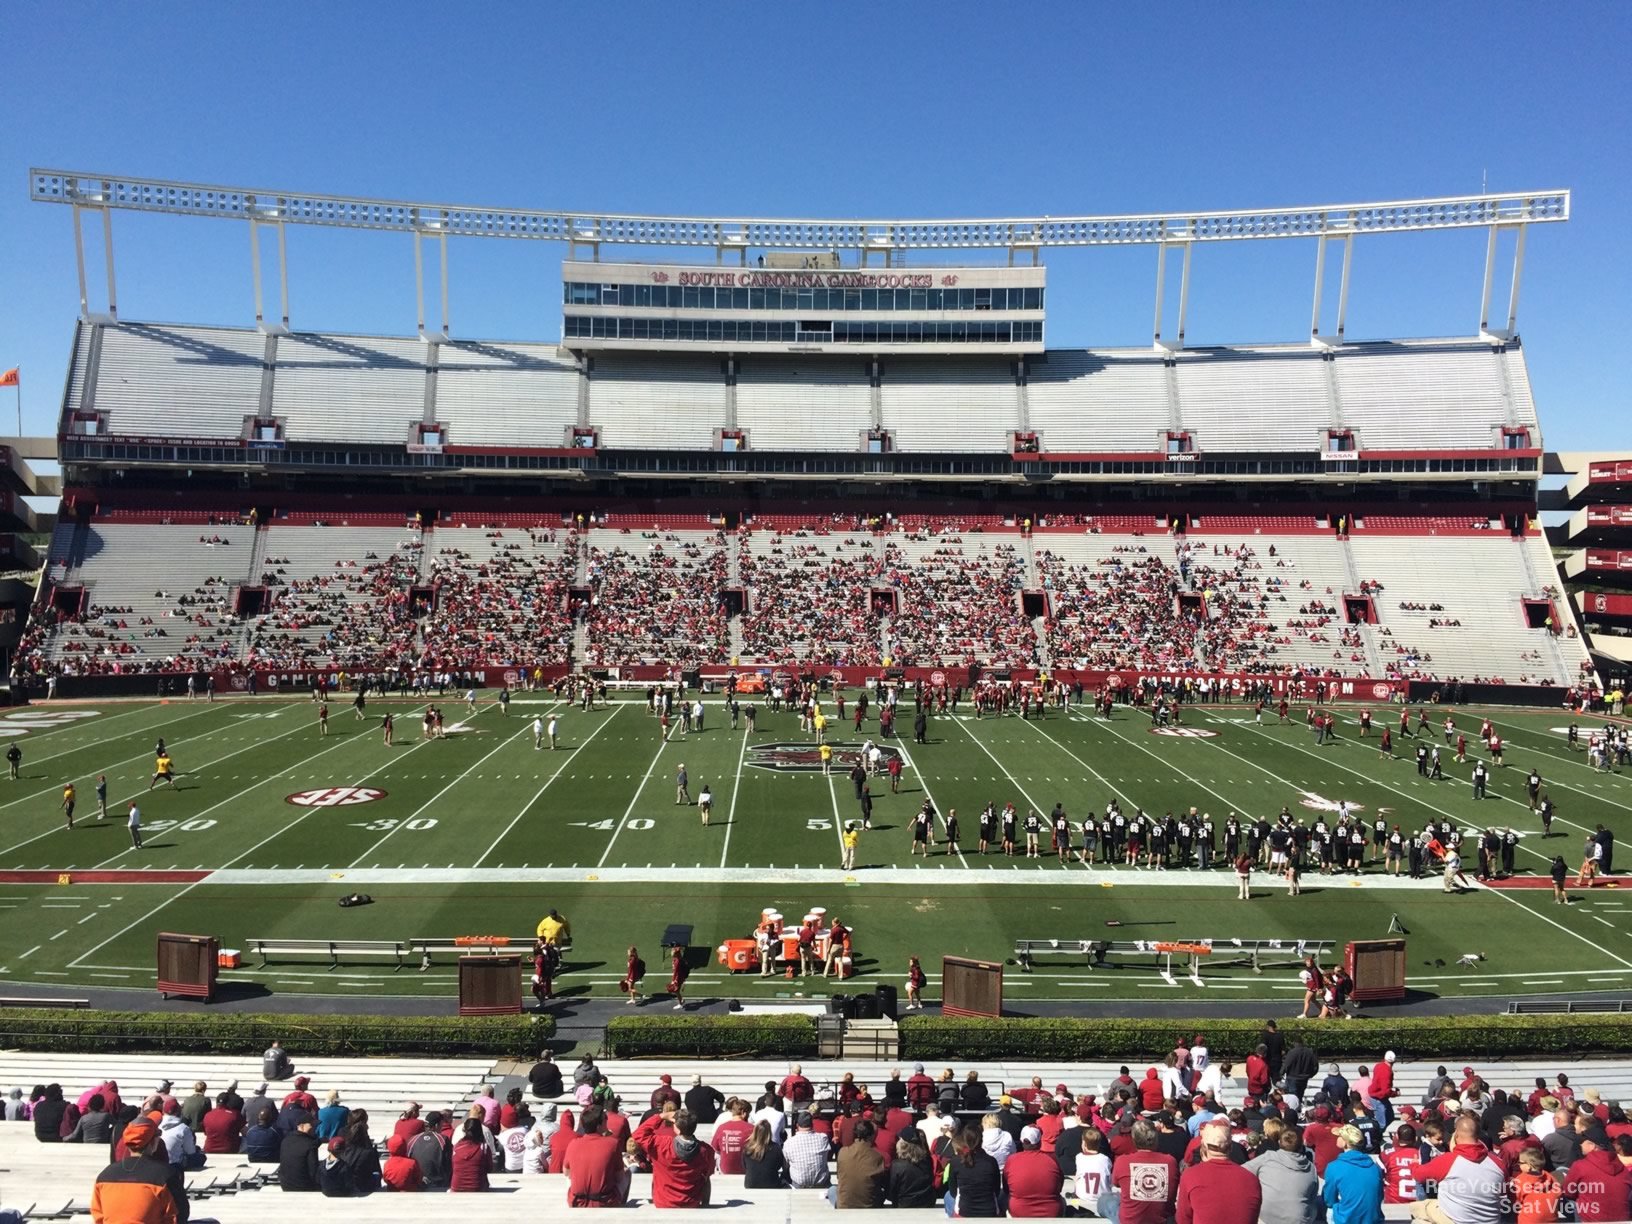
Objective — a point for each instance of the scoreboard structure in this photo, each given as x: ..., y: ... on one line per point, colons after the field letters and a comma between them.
x: 802, y: 304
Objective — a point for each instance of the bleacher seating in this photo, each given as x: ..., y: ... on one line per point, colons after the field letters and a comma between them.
x: 349, y: 388
x: 338, y: 596
x: 1252, y: 399
x: 157, y: 594
x: 1477, y: 585
x: 663, y: 403
x: 1088, y: 402
x: 501, y: 597
x: 803, y: 405
x: 58, y: 1178
x: 656, y: 597
x: 506, y: 394
x: 809, y: 596
x: 186, y: 382
x: 959, y: 600
x: 1416, y: 395
x: 201, y: 382
x: 949, y: 405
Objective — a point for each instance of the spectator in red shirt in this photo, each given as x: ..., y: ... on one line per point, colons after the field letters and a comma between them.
x: 682, y: 1164
x: 1150, y: 1091
x: 1320, y: 1137
x: 731, y: 1137
x: 410, y: 1124
x: 223, y: 1127
x: 1050, y: 1123
x: 1033, y: 1179
x: 1598, y: 1181
x: 920, y: 1088
x: 1218, y: 1191
x: 596, y: 1176
x: 1146, y: 1181
x: 795, y: 1089
x: 1258, y: 1072
x: 561, y: 1142
x: 300, y: 1098
x: 472, y: 1159
x: 665, y: 1091
x: 401, y: 1171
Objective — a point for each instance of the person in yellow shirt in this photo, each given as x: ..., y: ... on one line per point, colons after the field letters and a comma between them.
x: 163, y: 771
x: 826, y: 751
x: 68, y: 803
x: 820, y: 722
x: 555, y: 930
x: 850, y: 840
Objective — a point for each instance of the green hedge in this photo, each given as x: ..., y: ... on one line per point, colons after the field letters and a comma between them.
x: 711, y: 1036
x: 91, y: 1032
x: 946, y: 1039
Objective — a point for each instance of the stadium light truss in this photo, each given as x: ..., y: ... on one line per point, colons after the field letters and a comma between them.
x: 105, y: 193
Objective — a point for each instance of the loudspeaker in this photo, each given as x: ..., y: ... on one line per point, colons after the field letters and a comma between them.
x: 886, y: 1000
x: 866, y: 1007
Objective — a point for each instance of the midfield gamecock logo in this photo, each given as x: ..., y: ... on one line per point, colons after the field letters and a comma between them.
x: 335, y: 796
x: 807, y: 758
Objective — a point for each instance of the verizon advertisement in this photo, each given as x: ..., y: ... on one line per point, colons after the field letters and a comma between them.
x: 1609, y: 516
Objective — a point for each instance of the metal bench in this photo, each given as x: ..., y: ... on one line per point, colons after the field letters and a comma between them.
x: 334, y: 949
x: 453, y: 945
x: 1566, y: 1007
x: 1097, y: 953
x: 25, y: 1001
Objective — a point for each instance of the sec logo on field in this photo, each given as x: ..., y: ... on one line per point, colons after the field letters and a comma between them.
x: 335, y: 796
x: 1185, y: 732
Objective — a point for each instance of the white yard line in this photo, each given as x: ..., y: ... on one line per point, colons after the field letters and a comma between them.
x: 75, y: 963
x: 1490, y: 795
x: 923, y: 782
x: 114, y: 816
x: 731, y: 812
x: 1036, y: 807
x: 53, y: 789
x: 497, y: 748
x: 1495, y: 891
x: 613, y: 840
x: 571, y: 752
x: 1502, y: 893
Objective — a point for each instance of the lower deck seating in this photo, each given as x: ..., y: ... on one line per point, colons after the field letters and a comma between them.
x: 156, y: 595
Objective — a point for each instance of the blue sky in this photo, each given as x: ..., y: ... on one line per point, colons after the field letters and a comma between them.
x: 945, y: 109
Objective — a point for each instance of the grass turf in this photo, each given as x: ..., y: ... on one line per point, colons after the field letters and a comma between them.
x: 594, y: 830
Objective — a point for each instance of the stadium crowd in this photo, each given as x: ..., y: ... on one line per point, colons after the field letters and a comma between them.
x: 659, y: 603
x: 1266, y: 1135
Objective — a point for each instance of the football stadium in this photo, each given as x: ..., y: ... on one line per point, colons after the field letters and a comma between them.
x: 804, y: 637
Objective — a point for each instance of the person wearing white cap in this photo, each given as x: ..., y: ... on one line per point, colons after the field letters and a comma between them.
x: 1382, y: 1091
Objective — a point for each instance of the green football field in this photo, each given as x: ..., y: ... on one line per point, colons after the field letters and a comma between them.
x: 478, y: 834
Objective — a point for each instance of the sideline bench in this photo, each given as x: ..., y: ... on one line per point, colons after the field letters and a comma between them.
x: 1566, y: 1007
x: 334, y: 949
x: 25, y: 1001
x: 1097, y: 953
x: 454, y: 945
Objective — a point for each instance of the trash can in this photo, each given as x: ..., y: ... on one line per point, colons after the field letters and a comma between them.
x: 886, y: 1002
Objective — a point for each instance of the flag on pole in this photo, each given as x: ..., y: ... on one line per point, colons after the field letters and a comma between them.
x: 12, y: 377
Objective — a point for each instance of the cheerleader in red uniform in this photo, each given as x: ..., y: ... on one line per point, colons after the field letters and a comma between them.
x: 679, y: 971
x: 632, y: 974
